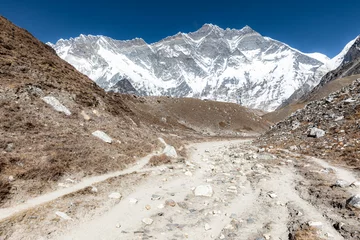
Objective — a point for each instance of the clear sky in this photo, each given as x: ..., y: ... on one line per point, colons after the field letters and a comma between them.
x: 309, y: 25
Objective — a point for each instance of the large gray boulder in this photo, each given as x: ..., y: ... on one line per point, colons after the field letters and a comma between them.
x: 316, y: 132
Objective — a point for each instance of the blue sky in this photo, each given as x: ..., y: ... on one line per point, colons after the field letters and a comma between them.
x: 308, y: 25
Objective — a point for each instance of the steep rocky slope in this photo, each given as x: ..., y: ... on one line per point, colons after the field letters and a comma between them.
x: 328, y: 128
x: 343, y: 75
x: 51, y: 115
x: 212, y: 63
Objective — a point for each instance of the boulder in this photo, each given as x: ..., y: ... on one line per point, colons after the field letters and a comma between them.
x: 52, y: 101
x: 316, y: 133
x: 354, y: 201
x: 103, y: 136
x: 147, y: 221
x: 203, y: 191
x: 63, y: 215
x: 115, y: 195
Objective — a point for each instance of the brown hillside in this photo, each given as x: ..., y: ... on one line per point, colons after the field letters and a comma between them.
x: 41, y: 147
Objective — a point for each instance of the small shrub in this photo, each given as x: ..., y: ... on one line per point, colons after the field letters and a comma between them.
x: 158, y: 160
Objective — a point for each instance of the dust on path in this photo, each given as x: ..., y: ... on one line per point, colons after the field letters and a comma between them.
x: 253, y: 197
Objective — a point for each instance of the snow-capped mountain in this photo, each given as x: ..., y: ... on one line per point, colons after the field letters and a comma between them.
x: 231, y: 65
x: 346, y: 63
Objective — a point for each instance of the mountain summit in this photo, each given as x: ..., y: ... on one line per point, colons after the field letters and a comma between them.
x: 239, y: 66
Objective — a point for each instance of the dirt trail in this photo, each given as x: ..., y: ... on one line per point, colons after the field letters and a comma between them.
x: 253, y: 197
x: 7, y: 212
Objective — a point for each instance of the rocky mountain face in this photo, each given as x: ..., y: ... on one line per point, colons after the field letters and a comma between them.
x: 346, y: 63
x: 327, y: 128
x: 239, y: 66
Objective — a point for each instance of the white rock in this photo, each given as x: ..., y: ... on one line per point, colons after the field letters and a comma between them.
x: 207, y: 227
x: 316, y: 132
x: 118, y: 225
x: 272, y: 195
x: 203, y: 190
x: 170, y: 151
x: 341, y: 183
x: 94, y: 189
x: 63, y: 185
x: 63, y: 215
x: 267, y: 236
x: 133, y: 201
x: 147, y: 221
x: 293, y: 148
x: 11, y: 178
x: 85, y: 116
x: 160, y: 206
x: 188, y: 173
x: 222, y: 236
x: 115, y: 195
x: 103, y: 136
x: 52, y: 101
x: 315, y: 224
x: 354, y: 201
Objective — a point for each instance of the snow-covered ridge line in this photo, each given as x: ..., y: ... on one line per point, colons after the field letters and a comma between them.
x: 230, y: 65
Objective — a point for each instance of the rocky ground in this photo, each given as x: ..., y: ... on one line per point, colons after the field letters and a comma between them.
x: 327, y: 128
x: 222, y: 190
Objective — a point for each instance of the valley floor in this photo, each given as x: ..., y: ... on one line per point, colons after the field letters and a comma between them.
x: 248, y: 195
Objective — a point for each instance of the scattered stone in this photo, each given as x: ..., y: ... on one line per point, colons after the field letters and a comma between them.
x: 354, y: 201
x: 160, y: 206
x: 11, y: 178
x: 94, y: 189
x: 147, y: 207
x: 63, y: 215
x: 267, y: 236
x: 103, y: 136
x: 52, y: 101
x: 316, y: 132
x: 155, y: 197
x: 9, y: 147
x: 222, y: 236
x: 339, y: 118
x: 338, y: 225
x: 315, y: 224
x: 232, y: 189
x: 168, y: 150
x: 293, y: 148
x: 85, y: 116
x: 355, y: 184
x: 147, y: 221
x: 182, y: 205
x: 133, y: 201
x: 188, y: 173
x: 203, y: 191
x: 272, y: 195
x: 207, y: 227
x: 170, y: 203
x: 341, y: 183
x: 115, y: 195
x: 261, y: 150
x: 118, y: 225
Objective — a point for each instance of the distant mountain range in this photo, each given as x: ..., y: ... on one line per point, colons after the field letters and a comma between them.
x: 231, y: 65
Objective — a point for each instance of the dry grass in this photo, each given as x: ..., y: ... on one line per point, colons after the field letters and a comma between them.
x: 4, y: 191
x: 306, y: 234
x: 158, y: 160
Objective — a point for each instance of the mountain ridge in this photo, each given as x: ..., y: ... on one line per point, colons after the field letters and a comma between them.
x: 211, y: 63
